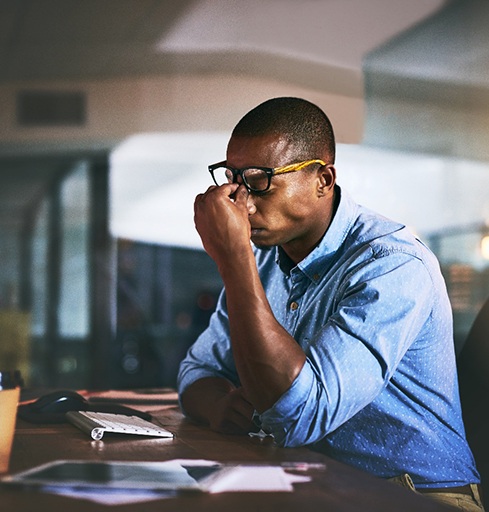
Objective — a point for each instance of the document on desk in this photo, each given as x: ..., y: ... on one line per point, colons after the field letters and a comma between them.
x: 109, y: 481
x: 242, y: 478
x: 141, y: 399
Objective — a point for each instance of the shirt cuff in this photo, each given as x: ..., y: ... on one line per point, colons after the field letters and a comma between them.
x: 281, y: 418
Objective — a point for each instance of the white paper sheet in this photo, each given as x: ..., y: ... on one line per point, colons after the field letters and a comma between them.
x: 255, y: 479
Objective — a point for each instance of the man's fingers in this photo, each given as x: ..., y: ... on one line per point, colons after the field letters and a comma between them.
x: 228, y: 190
x: 241, y: 195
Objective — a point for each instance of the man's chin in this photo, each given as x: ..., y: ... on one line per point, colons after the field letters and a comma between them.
x: 261, y: 243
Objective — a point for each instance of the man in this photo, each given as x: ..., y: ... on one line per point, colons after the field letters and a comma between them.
x: 334, y: 329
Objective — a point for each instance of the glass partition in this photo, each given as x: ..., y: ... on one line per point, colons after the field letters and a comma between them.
x: 75, y: 271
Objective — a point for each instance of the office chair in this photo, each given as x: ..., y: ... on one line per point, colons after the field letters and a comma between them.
x: 473, y: 373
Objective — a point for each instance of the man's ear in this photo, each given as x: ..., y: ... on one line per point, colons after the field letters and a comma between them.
x: 326, y: 179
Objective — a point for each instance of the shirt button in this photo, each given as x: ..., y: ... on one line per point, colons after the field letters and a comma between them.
x: 294, y: 306
x: 315, y: 277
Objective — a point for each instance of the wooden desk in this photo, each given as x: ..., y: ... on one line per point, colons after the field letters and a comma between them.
x: 337, y: 488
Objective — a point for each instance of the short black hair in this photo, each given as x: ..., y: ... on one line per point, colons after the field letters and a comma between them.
x: 304, y: 124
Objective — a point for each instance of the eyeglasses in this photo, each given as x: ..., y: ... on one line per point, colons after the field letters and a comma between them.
x: 256, y: 179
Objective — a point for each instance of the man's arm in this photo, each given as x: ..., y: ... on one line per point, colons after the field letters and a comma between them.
x: 267, y: 358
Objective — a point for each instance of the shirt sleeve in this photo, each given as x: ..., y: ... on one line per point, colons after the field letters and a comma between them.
x: 211, y: 354
x: 383, y: 306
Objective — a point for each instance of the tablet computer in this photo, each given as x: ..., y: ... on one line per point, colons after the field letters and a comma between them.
x: 78, y: 474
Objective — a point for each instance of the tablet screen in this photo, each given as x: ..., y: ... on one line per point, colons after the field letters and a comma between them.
x: 169, y: 475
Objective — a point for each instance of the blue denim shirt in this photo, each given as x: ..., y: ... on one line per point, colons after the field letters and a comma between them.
x: 379, y: 389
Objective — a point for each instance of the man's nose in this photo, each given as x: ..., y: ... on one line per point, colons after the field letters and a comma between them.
x: 250, y: 203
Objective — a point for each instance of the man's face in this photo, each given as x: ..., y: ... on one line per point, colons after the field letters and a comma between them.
x: 292, y: 213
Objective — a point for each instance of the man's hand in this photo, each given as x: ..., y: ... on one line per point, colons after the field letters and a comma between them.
x: 219, y: 404
x: 233, y: 414
x: 221, y: 218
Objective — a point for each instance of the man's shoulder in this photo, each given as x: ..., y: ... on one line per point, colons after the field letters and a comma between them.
x: 374, y: 237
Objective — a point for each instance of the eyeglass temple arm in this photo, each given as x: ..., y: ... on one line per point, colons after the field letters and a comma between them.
x: 297, y: 167
x: 215, y: 166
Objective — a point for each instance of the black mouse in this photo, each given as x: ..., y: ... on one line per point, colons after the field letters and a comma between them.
x: 52, y: 407
x: 60, y: 401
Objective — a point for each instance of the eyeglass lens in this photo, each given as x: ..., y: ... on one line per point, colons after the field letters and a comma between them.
x: 255, y: 179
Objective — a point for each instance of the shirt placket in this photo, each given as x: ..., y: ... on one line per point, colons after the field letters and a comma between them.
x: 295, y: 300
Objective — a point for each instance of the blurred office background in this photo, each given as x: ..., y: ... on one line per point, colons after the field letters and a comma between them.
x: 110, y: 111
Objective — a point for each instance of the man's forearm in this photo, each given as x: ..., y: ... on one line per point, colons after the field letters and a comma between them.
x: 267, y: 358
